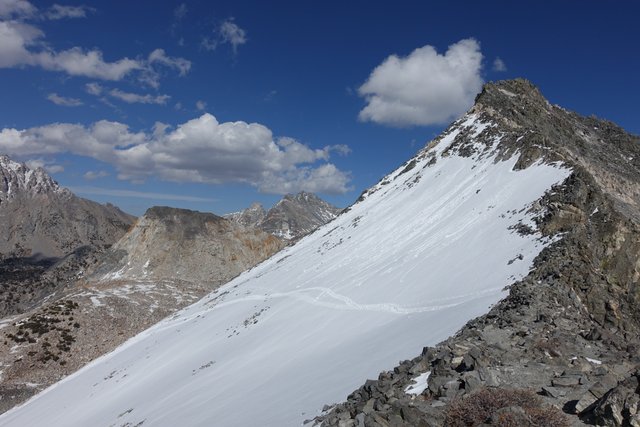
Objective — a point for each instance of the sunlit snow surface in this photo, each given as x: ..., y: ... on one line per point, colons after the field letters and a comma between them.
x: 405, y: 268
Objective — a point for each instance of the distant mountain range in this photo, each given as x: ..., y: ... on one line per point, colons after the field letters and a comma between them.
x: 291, y: 218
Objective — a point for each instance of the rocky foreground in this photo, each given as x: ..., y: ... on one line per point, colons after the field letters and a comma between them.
x: 564, y: 347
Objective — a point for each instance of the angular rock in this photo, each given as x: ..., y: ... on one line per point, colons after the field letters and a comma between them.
x: 566, y: 382
x: 554, y: 392
x: 619, y: 406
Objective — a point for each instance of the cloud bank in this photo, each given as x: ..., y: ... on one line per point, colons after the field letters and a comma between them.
x: 23, y: 44
x: 200, y: 150
x: 425, y: 87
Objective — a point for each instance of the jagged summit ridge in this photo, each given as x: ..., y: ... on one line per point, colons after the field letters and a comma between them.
x: 292, y: 217
x: 38, y: 217
x: 17, y: 179
x: 553, y: 133
x: 250, y: 217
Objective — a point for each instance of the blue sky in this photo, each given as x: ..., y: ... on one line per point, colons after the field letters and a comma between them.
x: 211, y: 105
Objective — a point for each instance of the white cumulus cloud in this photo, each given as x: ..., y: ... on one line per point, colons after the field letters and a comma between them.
x: 425, y: 87
x: 15, y: 37
x: 20, y: 45
x: 88, y: 63
x: 200, y: 150
x: 159, y: 56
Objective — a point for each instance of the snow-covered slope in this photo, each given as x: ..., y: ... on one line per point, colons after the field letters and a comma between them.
x: 427, y: 249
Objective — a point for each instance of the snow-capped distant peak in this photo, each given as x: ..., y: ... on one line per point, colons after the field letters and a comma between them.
x: 17, y: 179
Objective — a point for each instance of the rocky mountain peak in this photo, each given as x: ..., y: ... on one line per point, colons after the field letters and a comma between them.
x: 494, y: 93
x: 540, y: 131
x: 41, y: 218
x: 250, y: 217
x: 255, y: 206
x: 294, y: 216
x: 302, y: 196
x: 255, y: 212
x: 17, y: 179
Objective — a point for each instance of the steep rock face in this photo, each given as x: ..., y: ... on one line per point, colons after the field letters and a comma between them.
x: 170, y: 243
x: 291, y: 218
x: 427, y: 249
x: 570, y: 330
x: 297, y: 215
x: 39, y: 218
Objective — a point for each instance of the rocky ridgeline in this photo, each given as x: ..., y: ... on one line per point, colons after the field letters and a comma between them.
x: 291, y: 218
x: 170, y: 243
x: 38, y: 218
x: 569, y: 333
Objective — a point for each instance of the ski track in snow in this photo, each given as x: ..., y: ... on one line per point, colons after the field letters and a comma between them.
x: 426, y: 251
x: 346, y: 302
